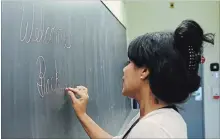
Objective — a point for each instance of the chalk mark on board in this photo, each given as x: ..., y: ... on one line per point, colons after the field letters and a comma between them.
x: 52, y: 29
x: 39, y: 34
x: 59, y: 35
x: 32, y: 25
x: 40, y: 86
x: 45, y: 86
x: 57, y: 79
x: 70, y: 35
x: 46, y: 34
x: 70, y: 45
x: 42, y: 25
x: 27, y: 24
x: 22, y: 18
x: 36, y: 31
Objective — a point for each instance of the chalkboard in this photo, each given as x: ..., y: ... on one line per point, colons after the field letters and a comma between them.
x: 47, y: 46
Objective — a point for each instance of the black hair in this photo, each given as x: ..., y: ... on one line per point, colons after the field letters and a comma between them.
x: 172, y: 59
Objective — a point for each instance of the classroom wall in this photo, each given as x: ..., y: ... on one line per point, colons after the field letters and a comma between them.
x: 140, y: 17
x: 117, y: 8
x: 149, y: 16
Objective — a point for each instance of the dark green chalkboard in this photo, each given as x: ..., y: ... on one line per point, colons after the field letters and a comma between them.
x: 47, y: 46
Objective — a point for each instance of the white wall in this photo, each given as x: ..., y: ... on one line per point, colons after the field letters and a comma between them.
x: 149, y: 16
x: 117, y: 8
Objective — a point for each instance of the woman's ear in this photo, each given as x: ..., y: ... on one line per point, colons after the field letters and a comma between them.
x: 144, y: 73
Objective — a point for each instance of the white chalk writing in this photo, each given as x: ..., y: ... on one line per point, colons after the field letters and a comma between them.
x: 50, y: 35
x: 41, y: 62
x: 46, y: 86
x: 26, y: 28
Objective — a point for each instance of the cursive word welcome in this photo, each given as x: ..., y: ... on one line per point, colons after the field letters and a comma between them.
x: 43, y: 34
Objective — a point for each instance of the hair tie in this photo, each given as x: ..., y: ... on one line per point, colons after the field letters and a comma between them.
x: 192, y: 60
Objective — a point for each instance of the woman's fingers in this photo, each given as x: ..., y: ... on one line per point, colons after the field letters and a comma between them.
x: 73, y: 97
x: 75, y: 91
x: 79, y: 90
x: 83, y: 89
x: 80, y: 104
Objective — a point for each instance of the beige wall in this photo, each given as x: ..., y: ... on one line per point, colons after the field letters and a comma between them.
x: 149, y: 16
x: 142, y: 16
x: 117, y: 8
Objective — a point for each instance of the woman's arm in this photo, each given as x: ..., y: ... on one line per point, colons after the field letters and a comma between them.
x: 80, y: 105
x: 92, y: 129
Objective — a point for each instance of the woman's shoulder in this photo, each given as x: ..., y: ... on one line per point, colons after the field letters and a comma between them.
x: 165, y: 123
x: 166, y: 117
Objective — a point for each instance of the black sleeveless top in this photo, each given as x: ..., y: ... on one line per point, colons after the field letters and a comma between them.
x: 126, y: 134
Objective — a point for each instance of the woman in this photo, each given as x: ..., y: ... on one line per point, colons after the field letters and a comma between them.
x: 162, y: 72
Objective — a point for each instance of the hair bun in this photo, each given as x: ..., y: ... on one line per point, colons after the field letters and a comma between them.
x: 188, y: 40
x: 189, y: 33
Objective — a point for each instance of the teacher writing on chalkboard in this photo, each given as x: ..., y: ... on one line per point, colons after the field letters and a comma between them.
x: 162, y: 72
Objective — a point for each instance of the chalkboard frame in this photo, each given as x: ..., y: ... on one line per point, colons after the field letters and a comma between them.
x: 113, y: 14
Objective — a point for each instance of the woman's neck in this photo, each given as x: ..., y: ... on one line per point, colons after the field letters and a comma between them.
x: 146, y: 107
x: 148, y: 102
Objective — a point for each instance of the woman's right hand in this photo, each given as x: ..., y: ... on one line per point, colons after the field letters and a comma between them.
x: 79, y: 105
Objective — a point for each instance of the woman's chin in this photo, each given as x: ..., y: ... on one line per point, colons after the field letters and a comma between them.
x: 123, y: 92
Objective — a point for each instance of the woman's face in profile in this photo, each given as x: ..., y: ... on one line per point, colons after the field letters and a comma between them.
x: 131, y: 80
